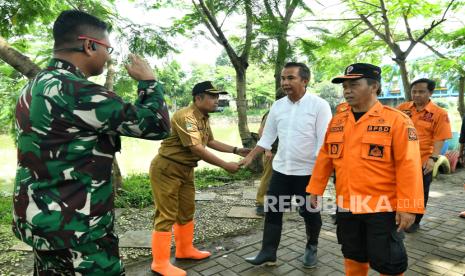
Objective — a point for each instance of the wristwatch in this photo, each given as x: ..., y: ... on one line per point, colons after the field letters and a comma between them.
x: 434, y: 158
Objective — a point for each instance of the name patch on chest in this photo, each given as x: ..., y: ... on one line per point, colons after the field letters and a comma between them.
x: 336, y: 129
x: 379, y: 129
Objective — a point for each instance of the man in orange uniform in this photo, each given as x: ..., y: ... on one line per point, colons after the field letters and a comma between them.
x: 433, y: 127
x: 375, y: 152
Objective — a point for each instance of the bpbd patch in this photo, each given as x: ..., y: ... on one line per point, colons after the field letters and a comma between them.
x: 386, y: 129
x: 376, y: 151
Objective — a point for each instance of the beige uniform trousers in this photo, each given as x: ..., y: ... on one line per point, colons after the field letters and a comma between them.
x: 173, y: 192
x: 264, y: 180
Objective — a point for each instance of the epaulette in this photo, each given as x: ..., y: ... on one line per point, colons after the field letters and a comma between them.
x: 342, y: 107
x: 396, y: 110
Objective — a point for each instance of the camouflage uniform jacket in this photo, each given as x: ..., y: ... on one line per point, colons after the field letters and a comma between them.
x: 67, y: 132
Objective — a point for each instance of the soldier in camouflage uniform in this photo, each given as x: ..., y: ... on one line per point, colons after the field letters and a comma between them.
x: 68, y: 131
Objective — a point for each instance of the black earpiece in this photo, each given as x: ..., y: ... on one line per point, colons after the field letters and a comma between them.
x: 92, y: 46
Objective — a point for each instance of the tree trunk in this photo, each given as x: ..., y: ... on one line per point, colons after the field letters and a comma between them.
x: 249, y: 139
x: 241, y: 103
x: 280, y: 59
x: 461, y: 103
x: 116, y: 177
x: 15, y: 59
x: 405, y: 80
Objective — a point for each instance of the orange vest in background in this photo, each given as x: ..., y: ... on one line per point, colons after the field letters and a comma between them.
x: 432, y: 124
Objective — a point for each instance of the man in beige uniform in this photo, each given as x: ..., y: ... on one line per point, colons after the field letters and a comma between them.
x: 172, y: 178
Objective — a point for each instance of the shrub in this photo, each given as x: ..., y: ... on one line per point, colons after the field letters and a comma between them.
x: 136, y: 190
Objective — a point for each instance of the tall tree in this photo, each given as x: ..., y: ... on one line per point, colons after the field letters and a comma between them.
x: 382, y: 19
x: 208, y: 10
x: 275, y: 22
x: 451, y: 62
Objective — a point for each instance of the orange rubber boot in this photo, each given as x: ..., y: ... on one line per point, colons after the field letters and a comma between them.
x: 354, y: 268
x: 161, y: 247
x: 184, y: 235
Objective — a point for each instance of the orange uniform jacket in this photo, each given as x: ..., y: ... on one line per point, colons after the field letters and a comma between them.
x: 432, y: 124
x: 377, y: 162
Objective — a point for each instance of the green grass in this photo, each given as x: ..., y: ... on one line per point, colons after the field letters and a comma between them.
x: 6, y: 186
x: 6, y: 204
x: 137, y: 192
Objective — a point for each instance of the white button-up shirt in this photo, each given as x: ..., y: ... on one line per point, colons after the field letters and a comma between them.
x: 301, y: 128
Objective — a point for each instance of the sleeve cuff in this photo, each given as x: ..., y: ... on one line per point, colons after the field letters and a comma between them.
x: 146, y: 87
x: 261, y: 144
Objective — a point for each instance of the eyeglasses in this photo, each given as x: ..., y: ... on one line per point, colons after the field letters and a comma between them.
x: 108, y: 47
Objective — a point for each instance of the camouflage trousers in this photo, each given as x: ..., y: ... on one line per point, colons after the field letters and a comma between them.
x: 99, y: 257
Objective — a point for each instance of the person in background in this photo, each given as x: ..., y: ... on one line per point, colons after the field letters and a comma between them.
x: 172, y: 178
x: 267, y: 162
x: 462, y: 153
x: 375, y: 152
x: 68, y: 130
x: 433, y: 128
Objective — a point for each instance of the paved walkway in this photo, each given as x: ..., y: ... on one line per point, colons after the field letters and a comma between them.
x: 437, y: 249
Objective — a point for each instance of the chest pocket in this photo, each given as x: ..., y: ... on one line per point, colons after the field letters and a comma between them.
x: 424, y: 125
x: 376, y: 148
x: 204, y: 130
x: 335, y: 144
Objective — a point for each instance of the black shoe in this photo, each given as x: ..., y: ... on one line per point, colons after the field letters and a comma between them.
x: 310, y: 258
x: 413, y: 228
x: 270, y: 243
x: 266, y: 258
x: 260, y: 210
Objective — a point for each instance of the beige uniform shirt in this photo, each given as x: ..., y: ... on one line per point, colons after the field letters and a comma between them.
x: 189, y: 127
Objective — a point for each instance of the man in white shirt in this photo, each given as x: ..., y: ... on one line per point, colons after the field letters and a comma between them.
x: 299, y: 121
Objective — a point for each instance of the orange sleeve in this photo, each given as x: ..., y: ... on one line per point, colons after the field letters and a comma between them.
x: 409, y: 179
x: 322, y: 171
x: 442, y: 129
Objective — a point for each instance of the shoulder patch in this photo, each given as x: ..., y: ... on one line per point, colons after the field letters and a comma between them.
x: 189, y: 126
x: 412, y: 134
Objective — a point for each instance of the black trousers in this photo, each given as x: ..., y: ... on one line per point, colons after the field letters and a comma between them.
x: 427, y: 179
x: 282, y: 188
x: 372, y: 238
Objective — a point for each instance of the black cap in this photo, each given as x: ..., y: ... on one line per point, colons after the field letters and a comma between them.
x: 206, y: 87
x: 358, y: 71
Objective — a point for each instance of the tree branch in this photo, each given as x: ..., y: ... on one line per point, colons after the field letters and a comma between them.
x: 374, y: 29
x: 407, y: 25
x: 330, y: 19
x: 434, y: 24
x: 248, y: 33
x: 207, y: 21
x: 447, y: 9
x: 290, y: 11
x: 370, y: 4
x: 15, y: 59
x: 436, y: 52
x: 276, y: 6
x: 270, y: 13
x: 229, y: 12
x: 387, y: 27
